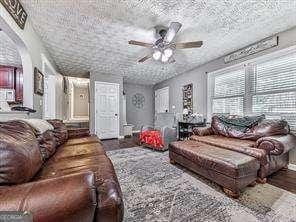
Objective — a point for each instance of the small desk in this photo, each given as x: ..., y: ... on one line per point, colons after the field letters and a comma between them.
x: 186, y: 129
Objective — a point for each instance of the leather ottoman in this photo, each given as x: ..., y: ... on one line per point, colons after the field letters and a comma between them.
x: 232, y: 170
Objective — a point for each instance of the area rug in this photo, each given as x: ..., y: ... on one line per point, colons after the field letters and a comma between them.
x: 155, y: 190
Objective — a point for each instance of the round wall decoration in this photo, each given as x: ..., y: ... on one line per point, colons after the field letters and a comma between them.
x: 138, y: 100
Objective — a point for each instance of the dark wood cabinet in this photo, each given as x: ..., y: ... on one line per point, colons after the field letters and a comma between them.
x: 12, y: 78
x: 7, y: 77
x: 18, y: 85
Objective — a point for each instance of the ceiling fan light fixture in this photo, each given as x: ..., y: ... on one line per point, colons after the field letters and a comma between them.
x: 164, y: 58
x: 164, y: 47
x: 168, y: 52
x: 156, y: 55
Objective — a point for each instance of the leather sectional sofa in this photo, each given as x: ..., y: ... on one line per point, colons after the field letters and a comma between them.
x: 57, y: 178
x: 236, y: 159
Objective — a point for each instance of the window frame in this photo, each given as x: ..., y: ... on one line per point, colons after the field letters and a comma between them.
x: 250, y: 68
x: 211, y: 85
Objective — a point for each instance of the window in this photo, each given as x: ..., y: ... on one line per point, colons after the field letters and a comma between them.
x: 273, y: 88
x: 228, y: 92
x: 267, y: 87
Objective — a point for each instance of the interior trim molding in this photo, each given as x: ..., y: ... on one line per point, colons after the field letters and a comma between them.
x: 292, y: 166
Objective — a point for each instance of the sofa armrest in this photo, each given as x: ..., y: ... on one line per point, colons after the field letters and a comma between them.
x: 277, y: 145
x: 67, y: 198
x: 202, y: 131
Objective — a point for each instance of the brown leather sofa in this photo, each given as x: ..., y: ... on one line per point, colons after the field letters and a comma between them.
x: 57, y: 178
x: 236, y: 159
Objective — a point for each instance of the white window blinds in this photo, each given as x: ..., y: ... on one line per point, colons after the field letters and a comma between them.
x: 274, y: 88
x: 267, y: 87
x: 229, y: 90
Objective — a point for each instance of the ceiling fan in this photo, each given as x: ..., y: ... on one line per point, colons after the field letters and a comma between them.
x: 163, y: 48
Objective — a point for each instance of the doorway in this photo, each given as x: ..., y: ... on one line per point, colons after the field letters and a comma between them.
x: 78, y: 99
x: 107, y: 110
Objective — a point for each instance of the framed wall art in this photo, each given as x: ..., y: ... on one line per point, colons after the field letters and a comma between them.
x: 38, y: 82
x: 188, y: 99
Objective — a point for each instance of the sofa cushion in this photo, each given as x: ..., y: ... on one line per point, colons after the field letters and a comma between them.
x: 89, y: 157
x: 227, y: 162
x: 39, y: 125
x: 83, y: 151
x: 59, y: 130
x: 243, y: 146
x: 20, y: 155
x: 83, y: 140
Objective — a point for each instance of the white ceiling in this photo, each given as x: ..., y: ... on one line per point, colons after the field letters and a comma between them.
x: 9, y: 55
x: 92, y: 35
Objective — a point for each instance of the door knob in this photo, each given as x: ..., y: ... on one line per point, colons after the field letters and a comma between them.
x: 116, y: 114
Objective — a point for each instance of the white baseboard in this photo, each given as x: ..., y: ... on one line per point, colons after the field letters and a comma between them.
x: 121, y: 137
x: 292, y: 166
x: 136, y: 131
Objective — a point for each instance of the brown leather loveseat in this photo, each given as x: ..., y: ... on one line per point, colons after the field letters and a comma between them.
x: 57, y: 178
x: 236, y: 158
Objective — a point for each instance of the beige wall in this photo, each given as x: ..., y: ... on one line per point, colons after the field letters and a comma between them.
x: 80, y: 99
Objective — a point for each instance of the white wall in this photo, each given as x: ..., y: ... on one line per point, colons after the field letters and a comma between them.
x: 30, y: 48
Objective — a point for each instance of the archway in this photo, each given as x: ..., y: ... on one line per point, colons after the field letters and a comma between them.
x: 28, y: 69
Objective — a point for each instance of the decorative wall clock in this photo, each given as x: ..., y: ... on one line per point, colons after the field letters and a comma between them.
x: 138, y: 100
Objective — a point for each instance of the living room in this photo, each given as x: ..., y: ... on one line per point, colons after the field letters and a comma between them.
x: 147, y: 110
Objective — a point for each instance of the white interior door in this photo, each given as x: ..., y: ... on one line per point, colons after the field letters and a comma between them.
x: 107, y: 110
x: 162, y: 100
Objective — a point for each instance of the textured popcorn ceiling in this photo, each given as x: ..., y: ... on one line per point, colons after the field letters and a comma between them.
x: 92, y: 35
x: 9, y: 55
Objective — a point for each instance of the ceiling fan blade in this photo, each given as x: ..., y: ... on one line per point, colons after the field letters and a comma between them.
x: 133, y: 42
x: 144, y: 58
x: 172, y: 31
x: 187, y: 45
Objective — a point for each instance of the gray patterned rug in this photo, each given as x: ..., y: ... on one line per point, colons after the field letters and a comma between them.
x: 155, y: 190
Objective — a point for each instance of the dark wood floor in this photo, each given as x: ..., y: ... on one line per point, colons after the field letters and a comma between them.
x: 115, y: 144
x: 284, y: 179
